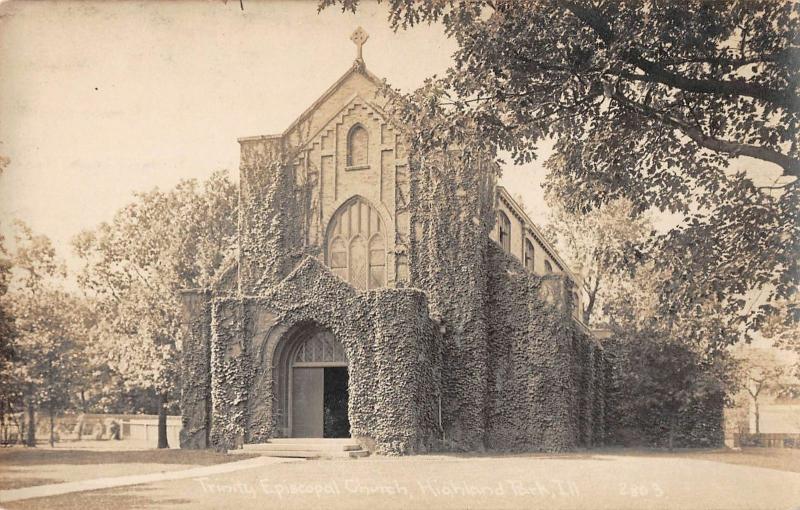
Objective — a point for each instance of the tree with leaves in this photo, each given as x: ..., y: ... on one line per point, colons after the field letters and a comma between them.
x: 671, y: 376
x: 136, y: 266
x: 7, y: 328
x: 684, y: 107
x: 762, y: 371
x: 600, y: 245
x: 46, y: 363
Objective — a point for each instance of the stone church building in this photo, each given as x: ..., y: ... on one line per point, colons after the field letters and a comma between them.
x: 401, y: 299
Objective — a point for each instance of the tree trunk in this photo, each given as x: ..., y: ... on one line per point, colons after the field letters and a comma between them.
x: 5, y: 421
x: 592, y: 293
x: 671, y: 434
x: 83, y: 412
x: 52, y: 427
x: 21, y: 428
x: 162, y: 421
x: 758, y: 430
x: 31, y: 440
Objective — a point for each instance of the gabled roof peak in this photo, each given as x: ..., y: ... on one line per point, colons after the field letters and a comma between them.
x: 359, y: 37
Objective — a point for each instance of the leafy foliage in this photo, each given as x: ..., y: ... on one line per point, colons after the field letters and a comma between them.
x: 7, y: 327
x: 50, y: 326
x: 663, y: 392
x: 671, y: 377
x: 136, y: 266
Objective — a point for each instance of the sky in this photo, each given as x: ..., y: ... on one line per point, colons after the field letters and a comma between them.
x: 100, y: 99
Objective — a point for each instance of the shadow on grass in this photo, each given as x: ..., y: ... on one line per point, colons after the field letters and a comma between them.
x: 498, y: 454
x: 782, y: 459
x: 19, y: 483
x: 125, y: 497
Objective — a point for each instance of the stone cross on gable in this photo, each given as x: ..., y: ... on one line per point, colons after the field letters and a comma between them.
x: 359, y: 37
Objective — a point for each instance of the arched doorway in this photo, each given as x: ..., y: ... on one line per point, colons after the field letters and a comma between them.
x: 312, y: 384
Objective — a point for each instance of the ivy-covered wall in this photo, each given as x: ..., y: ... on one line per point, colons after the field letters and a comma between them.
x: 517, y: 373
x: 196, y: 369
x: 451, y: 217
x: 271, y: 233
x: 544, y: 393
x: 476, y: 342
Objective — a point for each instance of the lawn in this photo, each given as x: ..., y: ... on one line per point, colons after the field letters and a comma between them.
x: 26, y: 467
x: 784, y: 459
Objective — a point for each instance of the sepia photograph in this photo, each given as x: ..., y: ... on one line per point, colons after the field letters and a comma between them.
x: 400, y: 254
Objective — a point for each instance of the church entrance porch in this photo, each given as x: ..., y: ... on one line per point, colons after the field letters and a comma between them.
x: 312, y: 358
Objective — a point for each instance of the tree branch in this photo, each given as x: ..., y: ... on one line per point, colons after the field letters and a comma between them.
x: 655, y: 72
x: 592, y: 292
x: 790, y: 165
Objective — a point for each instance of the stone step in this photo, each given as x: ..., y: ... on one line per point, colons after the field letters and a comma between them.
x: 302, y: 446
x: 307, y: 448
x: 325, y: 440
x: 313, y: 441
x: 309, y: 454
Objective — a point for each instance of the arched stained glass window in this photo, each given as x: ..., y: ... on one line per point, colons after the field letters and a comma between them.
x: 529, y: 255
x: 320, y: 348
x: 357, y: 146
x: 356, y: 248
x: 505, y: 231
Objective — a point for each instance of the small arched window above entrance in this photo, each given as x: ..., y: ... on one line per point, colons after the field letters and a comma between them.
x: 357, y: 146
x: 322, y: 347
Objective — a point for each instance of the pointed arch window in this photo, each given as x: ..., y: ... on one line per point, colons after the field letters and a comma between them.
x: 356, y: 245
x: 357, y: 146
x: 548, y: 267
x: 529, y: 255
x: 505, y: 231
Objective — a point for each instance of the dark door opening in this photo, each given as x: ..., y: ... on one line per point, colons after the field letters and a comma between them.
x: 335, y: 420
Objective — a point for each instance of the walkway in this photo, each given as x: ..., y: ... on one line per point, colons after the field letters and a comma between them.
x: 56, y: 489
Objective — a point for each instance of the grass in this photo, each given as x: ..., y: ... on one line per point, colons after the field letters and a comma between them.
x: 28, y: 467
x: 783, y: 459
x: 20, y: 456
